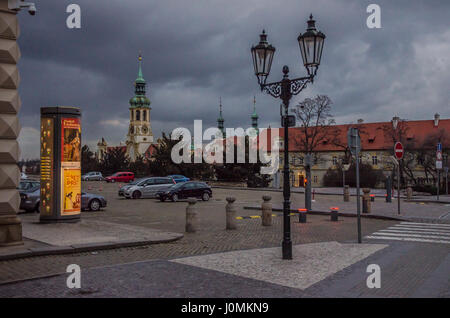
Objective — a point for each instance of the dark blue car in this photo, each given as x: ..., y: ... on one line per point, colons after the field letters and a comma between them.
x: 178, y: 178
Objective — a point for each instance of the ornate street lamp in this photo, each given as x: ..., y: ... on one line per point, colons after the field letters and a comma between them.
x: 311, y: 45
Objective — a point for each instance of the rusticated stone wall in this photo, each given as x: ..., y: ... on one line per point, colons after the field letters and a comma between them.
x: 10, y: 225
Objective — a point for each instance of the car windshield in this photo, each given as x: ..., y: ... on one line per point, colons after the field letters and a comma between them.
x: 178, y: 185
x: 136, y: 181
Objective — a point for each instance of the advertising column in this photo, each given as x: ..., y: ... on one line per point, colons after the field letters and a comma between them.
x: 60, y: 164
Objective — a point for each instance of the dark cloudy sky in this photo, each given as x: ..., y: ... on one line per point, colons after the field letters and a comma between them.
x: 198, y: 50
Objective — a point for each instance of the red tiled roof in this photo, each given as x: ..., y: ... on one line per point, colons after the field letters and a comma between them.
x: 374, y: 136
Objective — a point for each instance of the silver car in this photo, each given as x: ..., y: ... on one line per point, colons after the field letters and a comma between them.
x: 145, y: 187
x: 92, y: 176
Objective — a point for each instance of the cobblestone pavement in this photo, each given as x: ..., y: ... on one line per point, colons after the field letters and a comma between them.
x: 407, y: 270
x: 250, y: 234
x: 211, y: 238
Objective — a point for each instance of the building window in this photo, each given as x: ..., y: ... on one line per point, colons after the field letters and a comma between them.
x: 374, y: 160
x: 144, y: 115
x: 138, y: 115
x: 315, y: 179
x: 360, y: 159
x: 334, y: 160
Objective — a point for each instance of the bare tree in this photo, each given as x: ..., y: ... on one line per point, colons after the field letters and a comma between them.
x: 316, y: 123
x: 317, y: 127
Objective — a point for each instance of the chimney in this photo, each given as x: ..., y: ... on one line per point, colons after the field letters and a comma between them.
x: 395, y: 121
x: 360, y: 121
x: 436, y: 119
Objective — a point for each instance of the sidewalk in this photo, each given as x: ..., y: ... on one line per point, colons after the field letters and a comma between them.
x: 86, y: 235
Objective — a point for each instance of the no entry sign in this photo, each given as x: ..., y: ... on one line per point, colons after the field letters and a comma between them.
x: 398, y: 150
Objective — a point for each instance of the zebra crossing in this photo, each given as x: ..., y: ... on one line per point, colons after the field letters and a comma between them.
x: 414, y: 232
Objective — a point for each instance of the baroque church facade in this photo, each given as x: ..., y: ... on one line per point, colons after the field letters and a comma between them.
x: 139, y: 140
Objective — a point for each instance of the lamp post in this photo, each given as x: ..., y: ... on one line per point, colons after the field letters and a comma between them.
x: 311, y: 45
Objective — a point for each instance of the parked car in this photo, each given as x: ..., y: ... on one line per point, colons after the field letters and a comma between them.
x: 27, y: 184
x: 92, y: 176
x: 184, y: 190
x: 145, y: 187
x: 178, y: 178
x: 120, y: 177
x: 30, y: 199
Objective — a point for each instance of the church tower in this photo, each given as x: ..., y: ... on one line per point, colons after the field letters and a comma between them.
x: 140, y: 135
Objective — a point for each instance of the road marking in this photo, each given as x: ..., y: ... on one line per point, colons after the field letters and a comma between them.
x: 412, y: 235
x: 406, y: 239
x: 404, y: 231
x: 425, y: 224
x: 419, y: 229
x: 414, y: 232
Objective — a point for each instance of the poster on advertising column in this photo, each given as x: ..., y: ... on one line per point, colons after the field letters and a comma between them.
x: 70, y: 166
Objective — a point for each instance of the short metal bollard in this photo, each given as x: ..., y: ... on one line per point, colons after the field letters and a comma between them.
x: 302, y: 215
x: 266, y: 208
x: 372, y: 198
x: 230, y: 214
x: 366, y: 200
x: 191, y: 216
x: 334, y: 213
x: 365, y: 206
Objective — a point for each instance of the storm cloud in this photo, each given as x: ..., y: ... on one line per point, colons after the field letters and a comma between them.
x: 195, y: 51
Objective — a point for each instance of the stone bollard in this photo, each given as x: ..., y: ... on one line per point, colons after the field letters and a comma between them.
x: 366, y: 201
x: 231, y: 214
x: 266, y: 208
x: 191, y: 216
x: 346, y: 194
x: 409, y: 193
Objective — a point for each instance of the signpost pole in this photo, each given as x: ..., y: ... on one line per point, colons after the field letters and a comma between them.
x: 398, y: 186
x: 358, y: 209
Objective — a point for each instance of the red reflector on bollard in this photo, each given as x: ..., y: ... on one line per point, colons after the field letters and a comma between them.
x: 302, y: 210
x: 334, y: 209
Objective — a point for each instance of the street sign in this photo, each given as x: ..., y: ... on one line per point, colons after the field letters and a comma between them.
x: 353, y: 140
x: 439, y: 158
x: 398, y: 150
x: 439, y: 146
x: 291, y: 121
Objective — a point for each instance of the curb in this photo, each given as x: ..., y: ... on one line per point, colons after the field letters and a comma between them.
x: 370, y: 216
x: 81, y: 248
x: 281, y: 190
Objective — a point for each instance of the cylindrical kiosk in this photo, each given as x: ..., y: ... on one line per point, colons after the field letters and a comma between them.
x: 60, y: 164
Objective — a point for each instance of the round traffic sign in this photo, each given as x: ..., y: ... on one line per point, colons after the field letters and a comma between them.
x: 439, y: 156
x: 398, y: 150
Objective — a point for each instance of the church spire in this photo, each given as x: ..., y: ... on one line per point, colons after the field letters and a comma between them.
x: 220, y: 120
x: 255, y: 116
x: 140, y: 100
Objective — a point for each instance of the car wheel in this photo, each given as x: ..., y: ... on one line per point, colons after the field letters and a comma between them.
x: 205, y: 196
x: 175, y: 197
x: 136, y: 195
x: 162, y: 199
x: 94, y: 205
